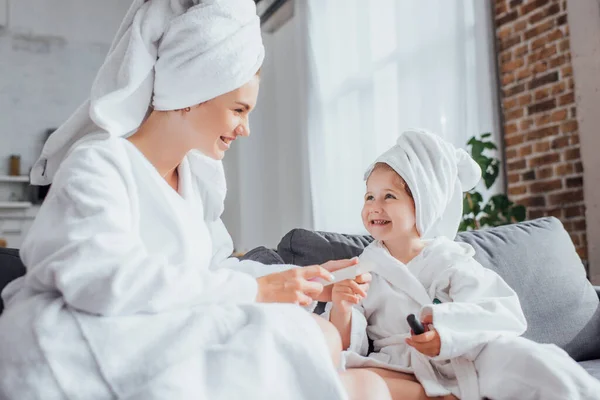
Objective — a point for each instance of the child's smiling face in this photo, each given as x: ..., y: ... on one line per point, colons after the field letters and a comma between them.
x: 389, y: 209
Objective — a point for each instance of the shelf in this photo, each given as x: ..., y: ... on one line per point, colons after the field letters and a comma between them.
x: 9, y: 178
x: 14, y: 204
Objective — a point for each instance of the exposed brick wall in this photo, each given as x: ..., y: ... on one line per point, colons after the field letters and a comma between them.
x: 543, y: 163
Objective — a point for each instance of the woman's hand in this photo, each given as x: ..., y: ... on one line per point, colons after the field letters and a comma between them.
x: 292, y: 286
x: 332, y: 266
x: 429, y: 342
x: 297, y: 286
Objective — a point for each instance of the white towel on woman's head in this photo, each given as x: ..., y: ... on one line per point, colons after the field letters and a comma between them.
x: 168, y: 54
x: 437, y: 173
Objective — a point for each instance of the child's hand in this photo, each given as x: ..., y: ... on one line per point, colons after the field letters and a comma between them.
x: 346, y: 293
x: 429, y: 342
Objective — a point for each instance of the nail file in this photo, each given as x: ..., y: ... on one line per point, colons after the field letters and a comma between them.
x: 348, y: 273
x: 415, y: 324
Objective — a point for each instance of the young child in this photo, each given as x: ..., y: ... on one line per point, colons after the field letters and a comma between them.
x: 472, y: 348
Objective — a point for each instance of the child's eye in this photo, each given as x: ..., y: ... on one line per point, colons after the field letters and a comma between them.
x: 390, y: 196
x: 239, y: 111
x: 369, y: 198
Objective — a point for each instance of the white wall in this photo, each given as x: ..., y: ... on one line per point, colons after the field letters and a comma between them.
x: 3, y: 12
x: 50, y: 51
x: 584, y: 26
x: 267, y: 173
x: 86, y: 21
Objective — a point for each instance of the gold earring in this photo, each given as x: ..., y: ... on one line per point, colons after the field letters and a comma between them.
x: 187, y: 109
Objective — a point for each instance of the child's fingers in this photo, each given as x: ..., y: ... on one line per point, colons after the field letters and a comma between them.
x: 428, y: 319
x: 343, y: 284
x: 342, y: 288
x: 349, y: 289
x: 350, y: 298
x: 356, y: 288
x: 428, y: 349
x: 412, y: 343
x: 427, y: 352
x: 345, y: 291
x: 424, y: 337
x: 365, y: 286
x: 364, y: 278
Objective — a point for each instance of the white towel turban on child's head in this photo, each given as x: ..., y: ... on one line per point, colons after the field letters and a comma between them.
x: 437, y: 173
x: 167, y: 54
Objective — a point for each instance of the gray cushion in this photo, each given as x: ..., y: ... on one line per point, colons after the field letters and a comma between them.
x: 537, y: 258
x: 263, y: 255
x: 303, y: 247
x: 11, y: 268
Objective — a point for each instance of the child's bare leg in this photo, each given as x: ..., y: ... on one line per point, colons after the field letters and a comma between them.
x: 404, y: 386
x: 372, y: 383
x: 361, y: 384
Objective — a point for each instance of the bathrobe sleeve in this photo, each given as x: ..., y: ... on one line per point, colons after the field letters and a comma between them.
x: 483, y: 307
x: 223, y: 248
x: 359, y: 341
x: 83, y: 244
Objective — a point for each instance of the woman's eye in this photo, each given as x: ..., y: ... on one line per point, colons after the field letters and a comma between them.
x: 390, y: 196
x: 368, y: 198
x: 239, y: 110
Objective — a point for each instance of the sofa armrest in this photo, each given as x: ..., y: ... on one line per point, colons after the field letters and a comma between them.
x: 597, y: 290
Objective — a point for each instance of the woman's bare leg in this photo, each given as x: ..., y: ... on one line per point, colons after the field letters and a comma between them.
x: 404, y: 386
x: 332, y: 338
x: 361, y: 384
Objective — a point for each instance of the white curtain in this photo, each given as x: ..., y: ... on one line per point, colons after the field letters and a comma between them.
x: 267, y: 173
x: 378, y: 67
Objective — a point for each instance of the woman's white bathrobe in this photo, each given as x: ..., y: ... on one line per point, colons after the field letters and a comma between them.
x: 479, y: 320
x: 129, y: 295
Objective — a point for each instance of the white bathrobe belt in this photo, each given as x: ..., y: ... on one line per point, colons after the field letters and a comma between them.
x: 464, y: 369
x: 466, y: 376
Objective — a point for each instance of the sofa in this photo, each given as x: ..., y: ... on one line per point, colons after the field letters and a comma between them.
x: 537, y: 258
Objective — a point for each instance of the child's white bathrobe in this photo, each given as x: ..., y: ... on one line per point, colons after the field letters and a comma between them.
x: 129, y: 295
x: 478, y: 317
x: 478, y: 308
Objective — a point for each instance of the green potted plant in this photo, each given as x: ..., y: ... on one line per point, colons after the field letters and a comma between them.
x: 498, y: 210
